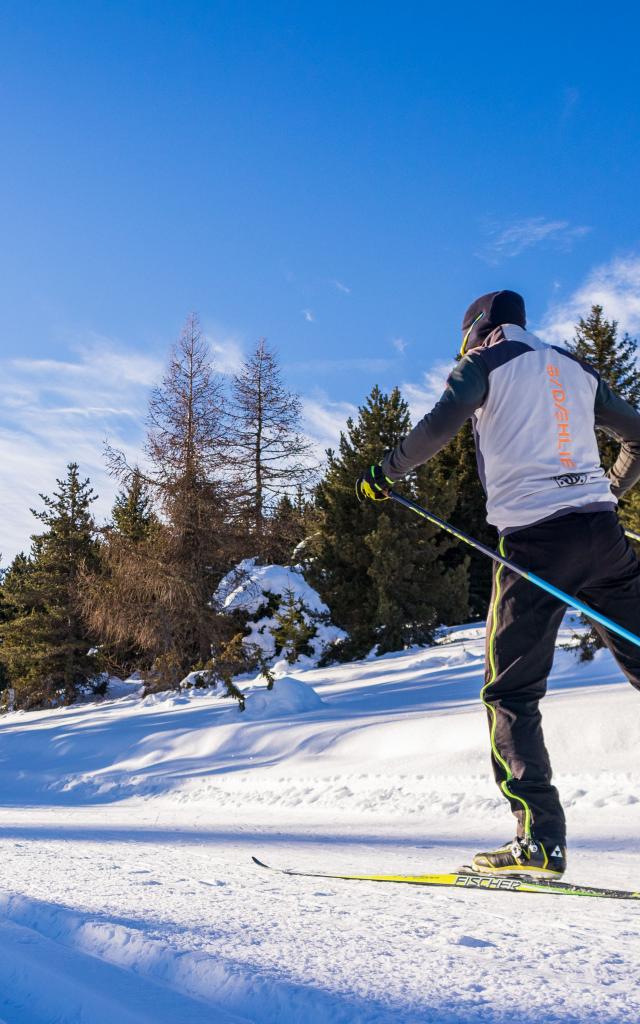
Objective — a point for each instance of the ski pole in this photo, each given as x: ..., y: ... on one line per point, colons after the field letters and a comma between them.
x: 567, y: 599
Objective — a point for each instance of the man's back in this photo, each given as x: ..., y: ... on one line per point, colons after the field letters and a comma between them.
x: 535, y: 409
x: 535, y: 431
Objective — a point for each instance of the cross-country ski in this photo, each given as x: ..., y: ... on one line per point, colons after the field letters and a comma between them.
x: 467, y: 879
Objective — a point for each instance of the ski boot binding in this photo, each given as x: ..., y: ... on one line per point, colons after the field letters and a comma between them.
x: 525, y: 856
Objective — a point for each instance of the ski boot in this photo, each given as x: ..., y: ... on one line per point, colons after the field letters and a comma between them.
x: 524, y: 856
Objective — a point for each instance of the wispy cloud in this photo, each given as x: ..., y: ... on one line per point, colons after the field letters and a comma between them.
x: 228, y: 353
x: 97, y: 362
x: 615, y: 286
x: 424, y: 395
x: 508, y: 241
x: 342, y: 287
x: 309, y: 315
x: 54, y: 411
x: 324, y: 419
x: 400, y: 345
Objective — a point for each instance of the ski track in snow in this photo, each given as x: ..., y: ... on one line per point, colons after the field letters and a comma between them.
x: 126, y: 832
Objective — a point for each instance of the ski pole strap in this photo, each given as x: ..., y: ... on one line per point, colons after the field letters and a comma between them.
x: 567, y: 599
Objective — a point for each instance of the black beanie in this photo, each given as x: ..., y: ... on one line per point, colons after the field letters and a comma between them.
x: 491, y: 311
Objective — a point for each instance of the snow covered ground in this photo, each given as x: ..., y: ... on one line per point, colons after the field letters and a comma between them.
x: 127, y: 829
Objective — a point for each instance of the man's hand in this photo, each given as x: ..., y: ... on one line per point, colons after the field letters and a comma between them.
x: 373, y: 484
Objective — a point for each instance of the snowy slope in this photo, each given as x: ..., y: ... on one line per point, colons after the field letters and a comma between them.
x: 127, y: 830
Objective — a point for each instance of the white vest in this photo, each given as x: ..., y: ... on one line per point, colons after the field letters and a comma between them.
x: 535, y: 434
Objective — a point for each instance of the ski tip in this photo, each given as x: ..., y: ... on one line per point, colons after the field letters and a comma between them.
x: 260, y: 863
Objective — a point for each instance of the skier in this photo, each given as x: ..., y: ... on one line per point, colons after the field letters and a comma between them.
x: 535, y: 409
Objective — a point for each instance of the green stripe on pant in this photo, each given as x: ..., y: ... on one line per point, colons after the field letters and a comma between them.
x: 504, y: 785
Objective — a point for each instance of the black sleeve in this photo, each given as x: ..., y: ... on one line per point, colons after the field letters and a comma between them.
x: 465, y: 392
x: 620, y: 420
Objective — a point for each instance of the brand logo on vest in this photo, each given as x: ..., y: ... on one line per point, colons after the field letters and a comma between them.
x: 559, y: 396
x: 571, y: 479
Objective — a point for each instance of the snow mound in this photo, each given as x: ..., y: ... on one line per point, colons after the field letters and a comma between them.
x: 131, y: 687
x: 289, y: 696
x: 262, y: 592
x: 187, y: 693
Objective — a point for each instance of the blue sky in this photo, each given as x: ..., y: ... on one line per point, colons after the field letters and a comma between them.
x: 342, y: 178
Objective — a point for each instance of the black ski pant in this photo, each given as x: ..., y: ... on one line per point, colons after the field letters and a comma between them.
x: 588, y: 556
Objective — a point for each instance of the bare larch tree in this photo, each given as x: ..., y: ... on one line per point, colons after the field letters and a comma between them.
x: 158, y: 589
x: 271, y: 455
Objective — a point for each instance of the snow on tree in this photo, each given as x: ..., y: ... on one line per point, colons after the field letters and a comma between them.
x: 278, y: 613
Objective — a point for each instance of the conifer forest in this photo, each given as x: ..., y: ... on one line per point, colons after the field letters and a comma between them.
x: 227, y: 475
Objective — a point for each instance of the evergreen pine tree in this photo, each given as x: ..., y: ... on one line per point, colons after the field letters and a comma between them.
x: 596, y: 340
x: 290, y: 523
x: 6, y: 613
x: 132, y: 514
x: 615, y: 359
x: 294, y: 629
x: 630, y: 512
x: 45, y: 642
x: 381, y: 570
x: 457, y: 462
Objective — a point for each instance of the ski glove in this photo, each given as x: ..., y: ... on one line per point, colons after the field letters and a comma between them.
x: 373, y: 484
